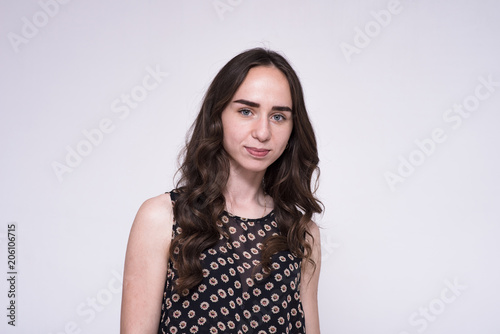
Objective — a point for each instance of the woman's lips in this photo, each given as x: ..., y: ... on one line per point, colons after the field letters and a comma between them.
x: 257, y: 152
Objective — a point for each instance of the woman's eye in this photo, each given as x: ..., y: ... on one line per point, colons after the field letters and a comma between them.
x: 245, y: 112
x: 279, y: 117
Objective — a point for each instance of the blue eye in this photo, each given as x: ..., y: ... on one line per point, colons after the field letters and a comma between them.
x: 245, y: 112
x: 279, y: 118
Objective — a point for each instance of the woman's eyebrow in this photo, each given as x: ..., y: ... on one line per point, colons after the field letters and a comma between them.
x: 256, y: 105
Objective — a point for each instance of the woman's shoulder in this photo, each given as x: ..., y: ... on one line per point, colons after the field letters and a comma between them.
x: 155, y: 214
x: 159, y: 204
x: 146, y: 262
x: 313, y: 228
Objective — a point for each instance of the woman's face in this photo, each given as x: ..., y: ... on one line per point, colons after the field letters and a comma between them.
x: 257, y: 123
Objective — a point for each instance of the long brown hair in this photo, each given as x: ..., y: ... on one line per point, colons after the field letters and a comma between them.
x: 205, y: 171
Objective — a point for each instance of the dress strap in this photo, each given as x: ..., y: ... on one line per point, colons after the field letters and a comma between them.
x: 174, y: 194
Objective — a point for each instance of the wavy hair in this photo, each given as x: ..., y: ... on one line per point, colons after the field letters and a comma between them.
x: 205, y: 170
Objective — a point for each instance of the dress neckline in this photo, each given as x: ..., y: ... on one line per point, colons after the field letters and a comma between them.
x: 230, y: 215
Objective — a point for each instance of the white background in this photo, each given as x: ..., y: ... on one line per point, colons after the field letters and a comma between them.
x: 387, y: 252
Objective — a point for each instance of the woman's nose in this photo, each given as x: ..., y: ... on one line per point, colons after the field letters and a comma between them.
x: 262, y: 130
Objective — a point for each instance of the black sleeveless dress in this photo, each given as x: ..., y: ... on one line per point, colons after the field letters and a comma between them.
x: 229, y: 300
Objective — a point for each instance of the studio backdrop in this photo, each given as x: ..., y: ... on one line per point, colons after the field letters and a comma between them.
x: 404, y: 96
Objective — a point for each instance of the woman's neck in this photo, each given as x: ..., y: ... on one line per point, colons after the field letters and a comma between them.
x: 245, y: 195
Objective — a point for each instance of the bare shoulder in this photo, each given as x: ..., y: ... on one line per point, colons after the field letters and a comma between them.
x: 155, y: 212
x: 154, y: 217
x: 310, y: 270
x: 310, y: 279
x: 152, y: 227
x: 151, y: 230
x: 313, y: 229
x: 146, y: 266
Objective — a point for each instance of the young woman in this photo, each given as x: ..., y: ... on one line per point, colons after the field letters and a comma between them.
x: 233, y: 249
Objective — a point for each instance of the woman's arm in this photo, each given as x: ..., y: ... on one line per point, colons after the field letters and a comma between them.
x: 146, y: 266
x: 309, y: 283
